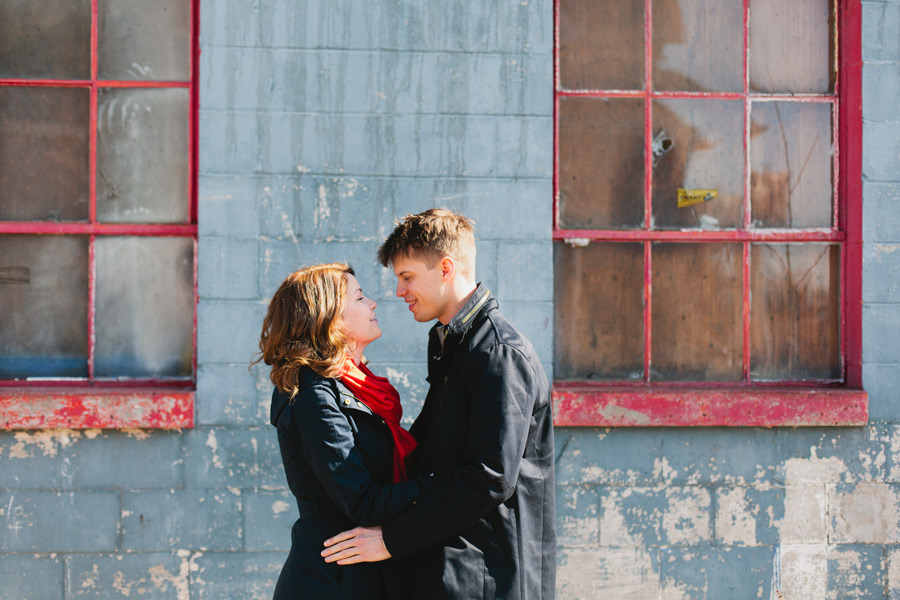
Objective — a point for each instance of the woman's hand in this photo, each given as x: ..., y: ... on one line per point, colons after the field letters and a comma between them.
x: 362, y: 544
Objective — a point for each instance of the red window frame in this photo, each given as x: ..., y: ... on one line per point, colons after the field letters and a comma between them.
x: 746, y: 403
x: 92, y: 403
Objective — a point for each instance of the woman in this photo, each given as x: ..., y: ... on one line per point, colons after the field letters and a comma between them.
x: 339, y: 431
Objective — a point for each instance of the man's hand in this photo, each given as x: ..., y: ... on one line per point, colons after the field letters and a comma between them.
x: 363, y: 544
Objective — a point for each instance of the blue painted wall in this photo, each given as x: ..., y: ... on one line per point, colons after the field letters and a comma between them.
x: 321, y: 122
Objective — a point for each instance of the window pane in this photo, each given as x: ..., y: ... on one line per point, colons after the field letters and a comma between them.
x: 43, y: 295
x: 698, y: 147
x: 142, y: 155
x: 794, y: 313
x: 697, y: 325
x: 601, y: 44
x: 144, y: 40
x: 599, y: 311
x: 791, y: 164
x: 791, y: 46
x: 145, y: 307
x: 697, y: 45
x: 44, y: 131
x: 601, y: 163
x: 47, y: 39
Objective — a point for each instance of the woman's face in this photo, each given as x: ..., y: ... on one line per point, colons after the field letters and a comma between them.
x: 359, y: 315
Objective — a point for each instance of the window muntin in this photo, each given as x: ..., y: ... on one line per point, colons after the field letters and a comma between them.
x: 757, y: 167
x: 98, y: 265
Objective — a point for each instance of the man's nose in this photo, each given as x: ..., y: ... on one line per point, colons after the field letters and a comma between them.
x: 399, y: 291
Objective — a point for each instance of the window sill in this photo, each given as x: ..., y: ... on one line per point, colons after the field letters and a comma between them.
x: 585, y: 405
x: 96, y: 408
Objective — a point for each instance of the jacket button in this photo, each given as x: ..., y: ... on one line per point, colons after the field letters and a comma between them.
x: 347, y: 402
x: 359, y: 404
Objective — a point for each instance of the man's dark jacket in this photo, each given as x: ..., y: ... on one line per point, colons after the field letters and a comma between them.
x: 486, y: 529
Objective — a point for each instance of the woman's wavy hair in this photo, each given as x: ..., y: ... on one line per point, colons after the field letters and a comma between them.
x: 304, y: 325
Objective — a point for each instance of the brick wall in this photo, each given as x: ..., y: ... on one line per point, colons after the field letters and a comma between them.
x: 321, y: 122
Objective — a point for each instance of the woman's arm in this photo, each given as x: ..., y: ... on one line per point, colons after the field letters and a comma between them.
x: 326, y: 440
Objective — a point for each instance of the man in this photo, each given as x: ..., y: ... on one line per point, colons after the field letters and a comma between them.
x: 486, y: 529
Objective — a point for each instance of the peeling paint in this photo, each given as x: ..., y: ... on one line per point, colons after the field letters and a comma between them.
x: 48, y: 441
x: 161, y: 577
x: 280, y: 506
x: 735, y: 523
x: 804, y: 572
x: 213, y: 445
x: 868, y: 514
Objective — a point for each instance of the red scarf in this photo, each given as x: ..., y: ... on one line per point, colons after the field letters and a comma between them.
x: 380, y: 396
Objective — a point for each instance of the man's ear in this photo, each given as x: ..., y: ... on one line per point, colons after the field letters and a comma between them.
x: 448, y: 269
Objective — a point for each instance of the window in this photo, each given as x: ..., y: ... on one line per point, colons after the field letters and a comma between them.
x: 98, y: 129
x: 707, y: 217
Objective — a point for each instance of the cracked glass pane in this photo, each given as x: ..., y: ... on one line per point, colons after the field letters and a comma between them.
x: 146, y: 41
x: 44, y: 283
x: 699, y: 149
x: 795, y: 311
x: 698, y: 45
x: 791, y: 164
x: 697, y: 320
x: 601, y: 163
x: 145, y: 306
x: 599, y: 311
x: 142, y: 155
x: 44, y: 131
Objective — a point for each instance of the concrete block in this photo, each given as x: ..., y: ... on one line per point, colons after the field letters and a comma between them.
x: 881, y: 272
x: 240, y: 458
x: 236, y: 575
x: 525, y: 271
x: 228, y: 268
x: 409, y: 379
x: 487, y: 265
x: 801, y: 571
x: 856, y: 572
x: 624, y: 456
x: 831, y: 455
x: 278, y: 259
x: 892, y: 585
x: 268, y: 518
x: 882, y: 381
x: 805, y: 516
x: 880, y: 322
x: 881, y: 84
x: 231, y: 142
x: 229, y: 22
x: 881, y: 217
x: 35, y: 459
x: 535, y: 321
x: 31, y: 577
x: 228, y: 206
x: 621, y: 573
x: 880, y: 31
x: 163, y: 520
x: 471, y: 26
x: 147, y: 576
x: 748, y: 516
x: 89, y: 463
x: 232, y: 78
x: 741, y: 456
x: 577, y: 516
x: 227, y: 394
x: 864, y: 513
x: 881, y: 152
x: 412, y: 145
x: 228, y: 331
x: 733, y: 573
x: 44, y: 521
x: 664, y: 516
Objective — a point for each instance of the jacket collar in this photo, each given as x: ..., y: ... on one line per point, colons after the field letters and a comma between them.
x: 466, y: 315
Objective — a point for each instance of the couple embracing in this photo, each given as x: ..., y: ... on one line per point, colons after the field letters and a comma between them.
x: 459, y: 506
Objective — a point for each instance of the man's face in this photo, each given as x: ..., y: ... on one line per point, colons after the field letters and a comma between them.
x: 422, y: 288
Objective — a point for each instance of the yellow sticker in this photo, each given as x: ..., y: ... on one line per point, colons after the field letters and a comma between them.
x: 692, y: 197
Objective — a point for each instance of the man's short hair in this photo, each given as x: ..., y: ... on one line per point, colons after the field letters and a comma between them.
x: 430, y: 236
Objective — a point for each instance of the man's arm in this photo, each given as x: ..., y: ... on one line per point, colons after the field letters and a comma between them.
x: 500, y: 383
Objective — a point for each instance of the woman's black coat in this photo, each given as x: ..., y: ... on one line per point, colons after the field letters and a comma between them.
x: 338, y: 458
